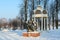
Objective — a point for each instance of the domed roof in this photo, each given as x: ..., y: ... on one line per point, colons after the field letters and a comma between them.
x: 44, y: 12
x: 39, y: 8
x: 38, y: 12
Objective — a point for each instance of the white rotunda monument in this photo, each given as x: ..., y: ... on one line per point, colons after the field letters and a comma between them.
x: 40, y: 16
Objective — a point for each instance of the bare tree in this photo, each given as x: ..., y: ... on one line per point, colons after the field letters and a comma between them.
x: 25, y: 6
x: 56, y: 17
x: 31, y: 8
x: 52, y: 12
x: 15, y: 24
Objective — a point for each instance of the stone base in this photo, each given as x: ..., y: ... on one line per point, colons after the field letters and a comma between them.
x: 31, y: 34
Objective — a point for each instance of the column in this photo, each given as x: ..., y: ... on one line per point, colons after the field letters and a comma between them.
x: 37, y: 23
x: 47, y: 22
x: 44, y: 23
x: 41, y: 22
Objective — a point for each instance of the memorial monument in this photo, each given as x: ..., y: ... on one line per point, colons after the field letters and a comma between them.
x: 40, y: 17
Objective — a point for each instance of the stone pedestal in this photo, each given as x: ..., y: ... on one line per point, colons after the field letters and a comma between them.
x: 31, y: 34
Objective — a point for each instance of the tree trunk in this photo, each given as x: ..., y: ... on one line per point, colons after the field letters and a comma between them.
x: 25, y: 10
x: 56, y: 14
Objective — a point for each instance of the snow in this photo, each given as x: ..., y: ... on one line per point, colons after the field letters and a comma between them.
x: 17, y: 35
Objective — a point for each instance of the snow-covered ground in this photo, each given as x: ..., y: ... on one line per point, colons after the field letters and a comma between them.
x: 17, y: 35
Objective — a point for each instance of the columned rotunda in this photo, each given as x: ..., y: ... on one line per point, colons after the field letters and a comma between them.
x: 40, y: 16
